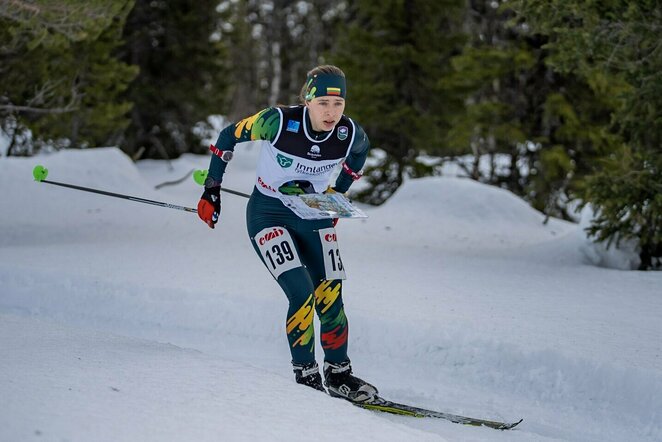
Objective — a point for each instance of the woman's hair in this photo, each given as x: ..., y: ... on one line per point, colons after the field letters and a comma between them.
x: 323, y: 69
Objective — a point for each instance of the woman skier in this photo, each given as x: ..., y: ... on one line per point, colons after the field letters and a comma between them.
x: 301, y: 147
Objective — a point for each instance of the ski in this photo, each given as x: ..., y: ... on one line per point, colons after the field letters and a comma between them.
x: 385, y: 406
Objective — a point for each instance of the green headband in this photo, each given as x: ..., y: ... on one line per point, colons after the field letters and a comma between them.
x: 321, y: 85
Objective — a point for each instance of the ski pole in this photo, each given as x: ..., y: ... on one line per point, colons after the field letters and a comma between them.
x: 235, y: 192
x: 40, y: 173
x: 199, y: 176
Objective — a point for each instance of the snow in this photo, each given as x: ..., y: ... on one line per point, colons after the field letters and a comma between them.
x: 125, y: 321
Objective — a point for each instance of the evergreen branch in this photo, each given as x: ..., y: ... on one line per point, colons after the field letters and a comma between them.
x: 72, y: 21
x: 37, y: 110
x: 20, y: 5
x: 42, y: 96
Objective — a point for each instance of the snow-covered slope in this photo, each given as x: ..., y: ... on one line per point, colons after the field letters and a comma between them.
x: 123, y: 321
x: 68, y: 384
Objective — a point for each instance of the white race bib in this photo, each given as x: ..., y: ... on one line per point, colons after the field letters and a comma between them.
x: 278, y: 250
x: 332, y: 263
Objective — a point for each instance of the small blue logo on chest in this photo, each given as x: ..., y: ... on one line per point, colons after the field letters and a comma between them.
x: 293, y: 126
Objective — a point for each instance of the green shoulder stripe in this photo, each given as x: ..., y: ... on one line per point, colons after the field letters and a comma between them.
x: 263, y: 125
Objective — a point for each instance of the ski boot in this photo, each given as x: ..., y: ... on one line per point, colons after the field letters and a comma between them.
x: 308, y: 374
x: 340, y: 382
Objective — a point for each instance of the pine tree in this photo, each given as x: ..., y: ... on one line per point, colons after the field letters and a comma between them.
x: 539, y: 129
x: 273, y: 44
x: 395, y: 55
x: 101, y: 79
x: 628, y: 195
x: 56, y: 72
x: 183, y: 69
x: 497, y: 71
x: 616, y: 44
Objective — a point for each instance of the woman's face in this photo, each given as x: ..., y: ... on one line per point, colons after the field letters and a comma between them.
x: 325, y: 112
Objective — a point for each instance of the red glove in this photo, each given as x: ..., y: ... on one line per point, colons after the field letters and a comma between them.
x: 209, y: 206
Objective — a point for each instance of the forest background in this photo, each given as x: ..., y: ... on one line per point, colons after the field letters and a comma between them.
x: 562, y: 100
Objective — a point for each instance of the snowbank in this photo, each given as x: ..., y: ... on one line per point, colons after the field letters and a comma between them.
x: 624, y: 256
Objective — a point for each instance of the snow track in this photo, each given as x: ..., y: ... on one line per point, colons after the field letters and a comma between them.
x: 492, y: 315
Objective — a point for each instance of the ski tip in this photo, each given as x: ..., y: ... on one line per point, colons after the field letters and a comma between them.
x: 511, y: 426
x: 39, y: 173
x: 199, y: 176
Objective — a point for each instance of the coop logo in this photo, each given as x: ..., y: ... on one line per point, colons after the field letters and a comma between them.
x: 330, y: 237
x: 274, y: 233
x: 314, y: 151
x: 342, y: 133
x: 284, y: 161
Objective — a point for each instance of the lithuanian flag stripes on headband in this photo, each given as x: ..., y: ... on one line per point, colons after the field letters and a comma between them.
x: 320, y: 85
